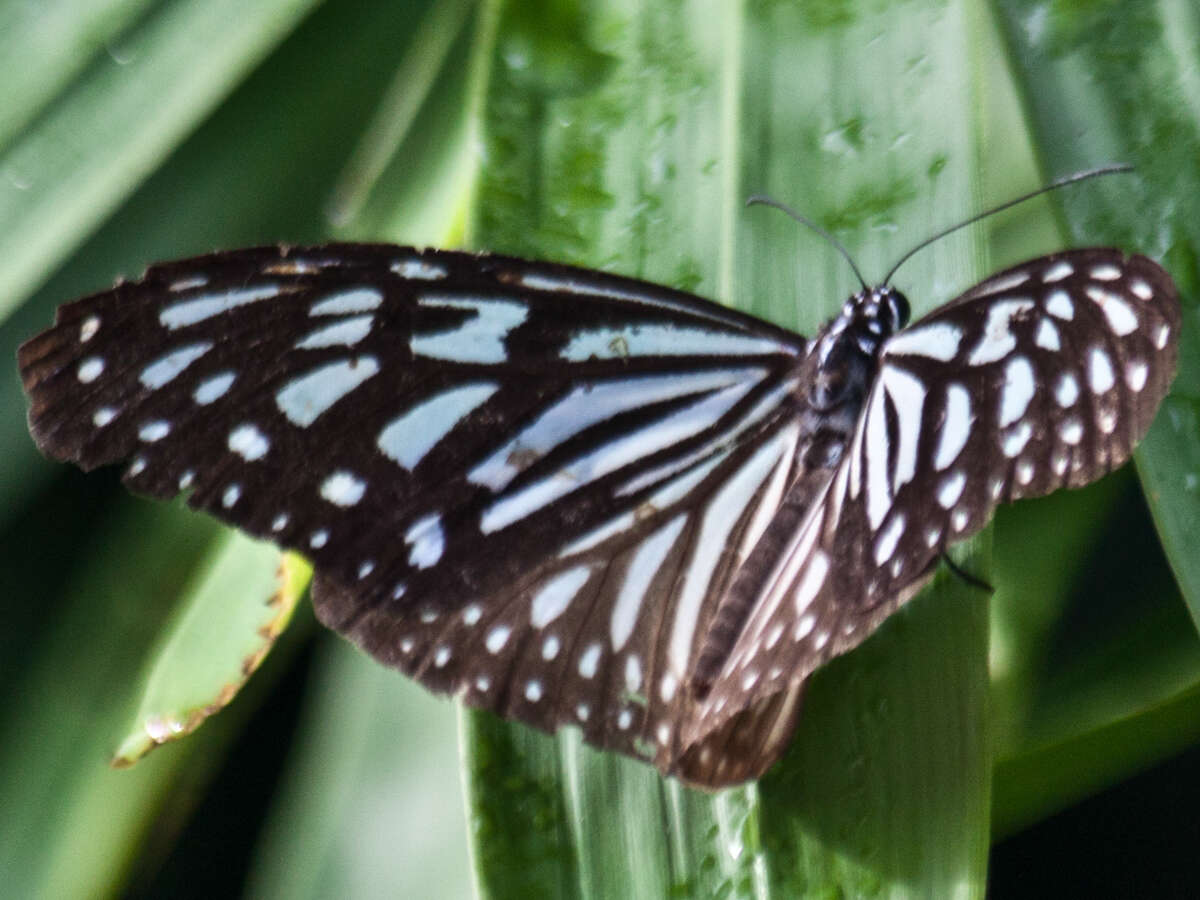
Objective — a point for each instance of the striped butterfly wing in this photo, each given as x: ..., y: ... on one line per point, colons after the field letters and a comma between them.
x: 524, y: 483
x: 1043, y: 376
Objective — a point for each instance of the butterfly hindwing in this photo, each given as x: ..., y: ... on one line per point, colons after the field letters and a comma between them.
x: 1043, y: 376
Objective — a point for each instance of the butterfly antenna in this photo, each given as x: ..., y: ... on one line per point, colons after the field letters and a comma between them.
x: 763, y: 200
x: 1052, y: 186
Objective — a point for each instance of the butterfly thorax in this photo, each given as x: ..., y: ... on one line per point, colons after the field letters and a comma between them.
x: 840, y: 368
x: 836, y: 375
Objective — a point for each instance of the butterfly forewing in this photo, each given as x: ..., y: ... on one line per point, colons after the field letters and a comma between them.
x: 1043, y: 376
x: 523, y: 483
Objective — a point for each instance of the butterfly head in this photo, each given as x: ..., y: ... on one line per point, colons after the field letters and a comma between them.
x: 881, y: 310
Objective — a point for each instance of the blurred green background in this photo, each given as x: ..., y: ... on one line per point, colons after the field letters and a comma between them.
x: 1049, y: 731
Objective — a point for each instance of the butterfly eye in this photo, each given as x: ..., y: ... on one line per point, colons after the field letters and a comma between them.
x: 897, y: 308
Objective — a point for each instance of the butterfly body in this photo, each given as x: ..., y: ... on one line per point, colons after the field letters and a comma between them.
x: 579, y: 499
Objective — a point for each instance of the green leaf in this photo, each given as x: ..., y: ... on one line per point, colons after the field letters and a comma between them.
x: 118, y: 120
x: 218, y: 640
x: 1120, y: 80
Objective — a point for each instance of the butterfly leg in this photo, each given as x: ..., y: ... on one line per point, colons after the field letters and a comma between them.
x: 972, y: 580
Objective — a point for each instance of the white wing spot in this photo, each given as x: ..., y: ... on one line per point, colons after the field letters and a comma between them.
x: 932, y: 536
x: 1071, y: 431
x: 1067, y: 391
x: 998, y: 341
x: 1058, y: 272
x: 960, y: 519
x: 885, y: 544
x: 957, y: 427
x: 279, y: 522
x: 533, y: 691
x: 483, y: 684
x: 633, y: 674
x: 418, y: 269
x: 303, y: 399
x: 1100, y: 371
x: 441, y: 657
x: 190, y: 312
x: 582, y: 712
x: 88, y: 329
x: 624, y: 720
x: 186, y: 480
x: 642, y: 568
x: 1135, y: 375
x: 1001, y: 283
x: 805, y: 626
x: 1160, y: 338
x: 810, y: 583
x: 497, y: 638
x: 1047, y: 336
x: 1105, y: 272
x: 749, y: 680
x: 154, y: 431
x: 184, y: 284
x: 820, y: 640
x: 408, y: 438
x: 951, y: 489
x: 137, y: 467
x: 550, y: 648
x: 347, y: 332
x: 480, y: 339
x: 1059, y: 462
x: 248, y: 442
x: 1025, y: 471
x: 938, y: 340
x: 318, y: 539
x: 1014, y: 440
x: 663, y: 733
x: 1059, y: 305
x: 1120, y: 315
x: 997, y: 488
x: 343, y: 488
x: 553, y: 599
x: 212, y: 389
x: 165, y: 369
x: 399, y: 590
x: 89, y: 370
x: 773, y: 636
x: 472, y: 614
x: 1107, y: 420
x: 667, y: 687
x: 1140, y: 289
x: 406, y: 645
x: 427, y: 540
x: 365, y: 569
x: 662, y: 340
x: 231, y: 495
x: 1017, y: 390
x: 589, y: 660
x: 103, y: 416
x: 355, y: 300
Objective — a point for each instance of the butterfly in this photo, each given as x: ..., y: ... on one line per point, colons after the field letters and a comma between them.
x: 579, y: 499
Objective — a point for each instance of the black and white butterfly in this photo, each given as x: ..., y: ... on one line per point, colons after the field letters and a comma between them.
x: 580, y: 499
